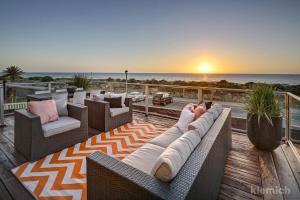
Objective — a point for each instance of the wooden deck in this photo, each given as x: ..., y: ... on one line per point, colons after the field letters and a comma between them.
x: 247, y: 169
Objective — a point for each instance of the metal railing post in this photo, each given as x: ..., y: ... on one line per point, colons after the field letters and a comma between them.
x: 287, y: 117
x: 147, y: 99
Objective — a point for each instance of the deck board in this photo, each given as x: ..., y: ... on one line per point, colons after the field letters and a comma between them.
x: 244, y: 170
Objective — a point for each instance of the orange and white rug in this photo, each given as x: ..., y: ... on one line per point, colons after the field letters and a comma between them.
x: 62, y: 175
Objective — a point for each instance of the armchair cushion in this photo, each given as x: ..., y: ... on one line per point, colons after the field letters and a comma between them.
x: 61, y: 105
x: 98, y: 97
x: 114, y: 102
x: 94, y: 93
x: 122, y: 95
x: 63, y: 124
x: 45, y: 109
x: 144, y: 158
x: 118, y: 111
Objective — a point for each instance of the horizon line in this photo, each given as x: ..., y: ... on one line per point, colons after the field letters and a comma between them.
x: 165, y: 73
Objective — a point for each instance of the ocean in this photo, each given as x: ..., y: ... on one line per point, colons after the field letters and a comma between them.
x: 290, y: 79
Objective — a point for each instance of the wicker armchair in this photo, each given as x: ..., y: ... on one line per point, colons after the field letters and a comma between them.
x: 31, y: 141
x: 199, y: 178
x: 100, y: 117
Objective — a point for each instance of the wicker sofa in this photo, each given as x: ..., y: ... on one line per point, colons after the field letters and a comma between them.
x: 100, y: 115
x: 199, y: 178
x: 32, y: 141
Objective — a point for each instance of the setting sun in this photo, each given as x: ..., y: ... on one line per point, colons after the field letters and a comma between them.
x: 204, y: 69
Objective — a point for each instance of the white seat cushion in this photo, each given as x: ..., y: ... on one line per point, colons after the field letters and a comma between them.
x: 166, y: 138
x: 202, y: 124
x: 63, y: 124
x: 144, y: 158
x: 118, y: 111
x: 175, y: 155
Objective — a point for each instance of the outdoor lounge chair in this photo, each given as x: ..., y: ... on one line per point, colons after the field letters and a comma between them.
x: 35, y: 140
x: 104, y: 118
x: 199, y: 178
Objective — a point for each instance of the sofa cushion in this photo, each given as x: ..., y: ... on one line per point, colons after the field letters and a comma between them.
x: 186, y: 117
x: 190, y: 107
x: 216, y: 110
x: 202, y: 124
x: 200, y: 110
x: 45, y: 109
x: 144, y: 158
x: 175, y: 155
x: 63, y: 124
x: 166, y: 138
x: 118, y: 111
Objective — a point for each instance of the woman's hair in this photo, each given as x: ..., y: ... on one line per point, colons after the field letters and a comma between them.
x: 207, y: 104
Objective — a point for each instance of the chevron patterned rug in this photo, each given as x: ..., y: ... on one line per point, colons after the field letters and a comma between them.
x: 62, y: 175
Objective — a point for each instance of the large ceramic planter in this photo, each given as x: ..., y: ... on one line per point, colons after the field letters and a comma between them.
x: 264, y: 135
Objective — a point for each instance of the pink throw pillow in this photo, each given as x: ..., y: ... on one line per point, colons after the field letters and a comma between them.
x: 45, y: 109
x: 190, y: 107
x: 200, y: 110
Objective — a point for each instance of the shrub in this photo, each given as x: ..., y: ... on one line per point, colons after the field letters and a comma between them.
x: 35, y: 78
x: 47, y: 79
x: 81, y: 81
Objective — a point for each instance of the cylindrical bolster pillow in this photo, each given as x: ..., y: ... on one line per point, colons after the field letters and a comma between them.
x: 175, y: 155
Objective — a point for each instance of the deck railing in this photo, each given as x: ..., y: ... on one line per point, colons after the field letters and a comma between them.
x: 292, y: 132
x: 234, y: 98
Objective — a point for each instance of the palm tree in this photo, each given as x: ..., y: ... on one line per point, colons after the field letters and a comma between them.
x: 13, y: 73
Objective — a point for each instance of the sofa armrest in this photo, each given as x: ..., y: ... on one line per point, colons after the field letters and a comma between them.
x: 128, y: 103
x: 103, y: 105
x: 77, y: 111
x: 80, y: 113
x: 98, y: 113
x: 108, y: 178
x: 28, y: 131
x: 27, y: 122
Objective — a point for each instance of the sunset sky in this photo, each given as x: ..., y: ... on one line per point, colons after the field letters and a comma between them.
x: 239, y: 36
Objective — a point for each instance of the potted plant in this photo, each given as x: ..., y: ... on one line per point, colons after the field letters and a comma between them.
x: 71, y: 89
x: 264, y: 122
x: 79, y: 81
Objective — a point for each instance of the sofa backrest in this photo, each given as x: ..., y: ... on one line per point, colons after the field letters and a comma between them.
x: 202, y: 173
